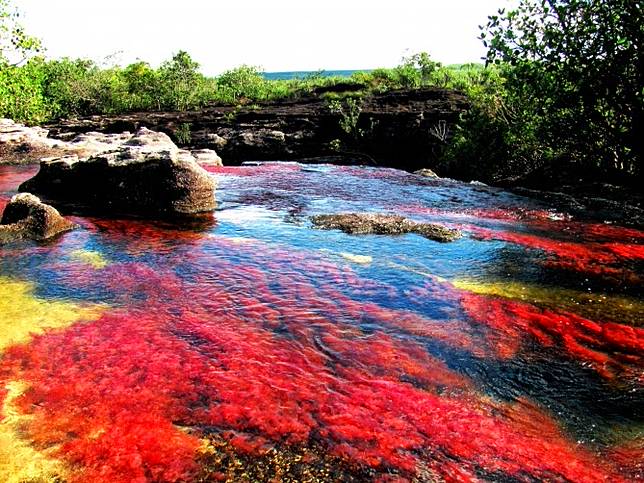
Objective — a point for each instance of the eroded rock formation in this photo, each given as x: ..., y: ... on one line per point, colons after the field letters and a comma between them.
x: 148, y: 174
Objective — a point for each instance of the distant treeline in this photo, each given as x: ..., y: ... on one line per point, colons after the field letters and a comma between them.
x: 41, y: 90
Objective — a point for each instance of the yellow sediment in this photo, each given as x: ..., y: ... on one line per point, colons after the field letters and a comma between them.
x: 19, y: 461
x: 23, y: 315
x: 93, y: 258
x: 595, y: 306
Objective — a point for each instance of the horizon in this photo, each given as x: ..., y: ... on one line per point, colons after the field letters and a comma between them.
x: 283, y: 36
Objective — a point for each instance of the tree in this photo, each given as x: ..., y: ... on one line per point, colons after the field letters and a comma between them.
x: 15, y: 45
x: 180, y: 80
x: 577, y: 65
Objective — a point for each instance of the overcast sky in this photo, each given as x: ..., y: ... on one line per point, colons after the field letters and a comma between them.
x: 278, y: 35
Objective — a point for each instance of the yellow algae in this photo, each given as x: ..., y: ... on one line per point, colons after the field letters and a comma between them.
x: 90, y: 257
x: 19, y: 461
x: 595, y: 306
x: 22, y: 314
x: 361, y: 259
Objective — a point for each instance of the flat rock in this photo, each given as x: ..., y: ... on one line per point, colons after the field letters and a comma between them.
x: 27, y: 217
x: 383, y: 224
x: 23, y: 144
x: 148, y: 174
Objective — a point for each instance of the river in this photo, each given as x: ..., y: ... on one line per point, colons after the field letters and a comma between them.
x: 252, y: 347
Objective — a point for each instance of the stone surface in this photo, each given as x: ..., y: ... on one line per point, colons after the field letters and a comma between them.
x: 22, y: 144
x: 207, y: 157
x: 426, y: 172
x: 148, y: 174
x: 27, y: 217
x: 92, y: 143
x: 13, y: 132
x: 382, y: 224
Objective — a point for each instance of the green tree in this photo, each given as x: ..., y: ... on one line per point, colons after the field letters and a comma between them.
x: 142, y: 83
x: 15, y: 45
x: 20, y: 86
x: 180, y: 81
x: 576, y: 68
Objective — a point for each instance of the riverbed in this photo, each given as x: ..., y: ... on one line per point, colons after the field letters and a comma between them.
x: 249, y: 346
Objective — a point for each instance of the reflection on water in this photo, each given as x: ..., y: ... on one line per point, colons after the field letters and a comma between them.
x: 255, y: 347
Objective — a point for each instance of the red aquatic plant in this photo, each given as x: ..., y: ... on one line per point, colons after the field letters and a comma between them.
x: 610, y: 348
x: 126, y: 396
x: 269, y: 345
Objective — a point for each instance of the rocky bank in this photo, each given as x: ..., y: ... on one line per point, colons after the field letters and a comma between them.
x: 403, y: 129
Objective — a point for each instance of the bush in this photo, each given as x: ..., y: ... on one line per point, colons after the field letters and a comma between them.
x: 244, y: 82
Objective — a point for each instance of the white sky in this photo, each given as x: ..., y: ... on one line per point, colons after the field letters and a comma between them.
x: 278, y: 35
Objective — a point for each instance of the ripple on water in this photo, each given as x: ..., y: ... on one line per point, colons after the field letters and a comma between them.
x: 252, y: 344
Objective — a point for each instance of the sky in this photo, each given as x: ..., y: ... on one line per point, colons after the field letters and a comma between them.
x: 276, y: 35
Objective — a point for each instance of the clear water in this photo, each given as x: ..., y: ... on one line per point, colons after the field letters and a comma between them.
x: 252, y: 347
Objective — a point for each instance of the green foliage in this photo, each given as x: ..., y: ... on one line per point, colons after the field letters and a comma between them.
x: 180, y: 84
x: 15, y: 45
x: 417, y: 70
x: 349, y: 112
x: 243, y: 82
x: 576, y: 71
x: 183, y: 134
x: 21, y: 93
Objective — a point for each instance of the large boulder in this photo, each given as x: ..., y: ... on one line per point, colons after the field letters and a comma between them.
x: 148, y: 174
x: 27, y: 217
x: 383, y: 224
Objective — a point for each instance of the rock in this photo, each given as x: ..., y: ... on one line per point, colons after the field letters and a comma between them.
x: 12, y: 132
x: 426, y: 172
x: 23, y: 144
x: 147, y: 175
x: 27, y: 217
x: 207, y: 157
x: 151, y: 141
x: 382, y: 224
x: 92, y: 143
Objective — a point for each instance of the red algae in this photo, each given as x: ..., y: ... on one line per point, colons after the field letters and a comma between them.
x: 260, y: 345
x: 609, y: 348
x: 590, y: 258
x: 115, y: 393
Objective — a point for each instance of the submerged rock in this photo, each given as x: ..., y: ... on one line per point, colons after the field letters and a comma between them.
x: 148, y: 174
x: 27, y: 217
x: 382, y: 224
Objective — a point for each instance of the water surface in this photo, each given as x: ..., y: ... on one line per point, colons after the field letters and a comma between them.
x: 252, y: 347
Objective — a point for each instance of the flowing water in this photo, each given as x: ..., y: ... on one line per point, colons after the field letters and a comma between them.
x: 252, y: 347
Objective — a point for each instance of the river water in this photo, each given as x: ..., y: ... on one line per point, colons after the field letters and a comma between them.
x: 251, y: 347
